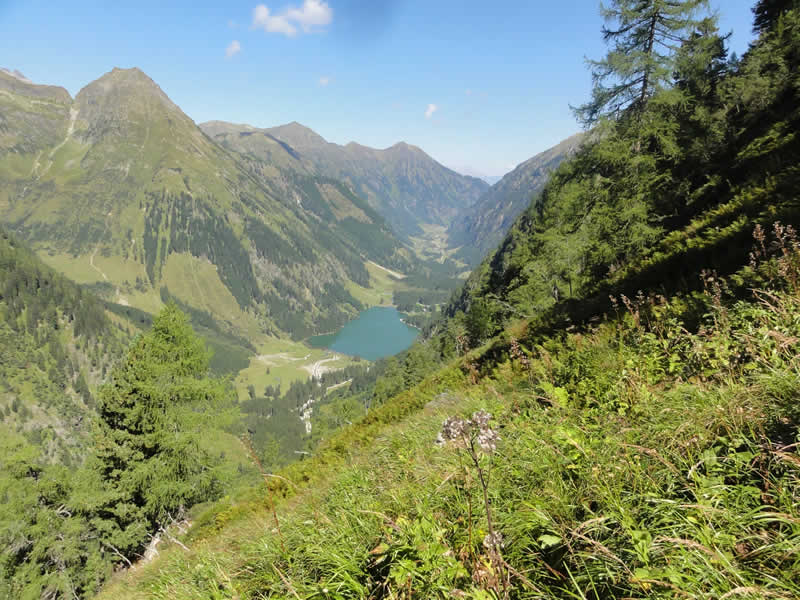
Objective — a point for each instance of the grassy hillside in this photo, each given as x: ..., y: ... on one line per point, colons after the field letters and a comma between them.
x: 599, y: 487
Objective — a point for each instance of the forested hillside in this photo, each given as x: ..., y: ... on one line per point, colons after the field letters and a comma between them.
x: 147, y: 444
x: 482, y: 227
x: 669, y: 188
x: 563, y: 434
x: 56, y: 345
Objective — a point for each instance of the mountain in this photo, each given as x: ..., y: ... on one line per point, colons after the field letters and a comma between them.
x: 120, y: 190
x: 15, y: 74
x: 484, y: 224
x: 405, y: 185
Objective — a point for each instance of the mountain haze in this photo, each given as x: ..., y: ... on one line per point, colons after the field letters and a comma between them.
x: 484, y: 224
x: 405, y: 185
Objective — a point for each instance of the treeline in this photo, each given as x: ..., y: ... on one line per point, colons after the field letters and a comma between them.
x: 33, y: 293
x: 181, y: 223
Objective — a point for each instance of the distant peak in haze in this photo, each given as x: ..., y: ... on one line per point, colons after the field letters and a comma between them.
x: 473, y: 172
x: 404, y: 147
x: 15, y: 74
x: 297, y: 134
x: 16, y: 83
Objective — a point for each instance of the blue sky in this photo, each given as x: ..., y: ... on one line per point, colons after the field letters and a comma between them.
x: 480, y: 85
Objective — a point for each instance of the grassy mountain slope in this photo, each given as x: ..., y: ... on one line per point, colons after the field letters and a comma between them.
x: 484, y: 224
x: 638, y: 446
x: 402, y: 183
x: 127, y: 185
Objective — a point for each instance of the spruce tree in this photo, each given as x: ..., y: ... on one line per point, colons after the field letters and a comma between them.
x: 149, y: 462
x: 767, y: 12
x: 643, y: 35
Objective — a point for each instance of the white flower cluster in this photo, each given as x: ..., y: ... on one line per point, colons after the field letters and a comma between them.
x: 493, y: 541
x: 453, y: 429
x: 456, y: 429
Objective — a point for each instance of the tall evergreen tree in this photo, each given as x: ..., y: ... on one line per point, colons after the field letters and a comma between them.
x: 767, y: 12
x: 643, y: 35
x: 149, y: 461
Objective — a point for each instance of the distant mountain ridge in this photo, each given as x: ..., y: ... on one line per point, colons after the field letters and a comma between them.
x: 15, y: 74
x: 120, y: 189
x: 405, y: 185
x: 481, y: 228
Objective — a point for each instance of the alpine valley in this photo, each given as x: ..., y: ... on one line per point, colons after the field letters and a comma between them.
x: 598, y: 395
x: 120, y: 189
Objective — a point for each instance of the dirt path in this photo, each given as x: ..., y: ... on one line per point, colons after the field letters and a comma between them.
x: 317, y: 370
x: 94, y: 266
x: 389, y: 271
x: 73, y: 115
x: 337, y: 385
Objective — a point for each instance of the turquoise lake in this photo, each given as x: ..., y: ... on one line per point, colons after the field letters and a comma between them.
x: 376, y: 333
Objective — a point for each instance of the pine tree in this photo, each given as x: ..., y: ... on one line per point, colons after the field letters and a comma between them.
x: 767, y: 13
x: 644, y: 35
x: 149, y: 462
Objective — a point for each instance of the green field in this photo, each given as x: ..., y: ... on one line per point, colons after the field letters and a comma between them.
x: 282, y: 362
x: 382, y: 286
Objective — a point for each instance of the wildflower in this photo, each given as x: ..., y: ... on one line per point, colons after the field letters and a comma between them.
x: 453, y: 429
x: 480, y: 419
x: 487, y: 440
x: 464, y: 431
x: 486, y: 436
x: 493, y: 541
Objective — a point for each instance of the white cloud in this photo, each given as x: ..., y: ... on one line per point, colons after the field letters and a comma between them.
x: 272, y: 23
x: 312, y: 14
x: 233, y: 49
x: 325, y: 80
x: 432, y: 108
